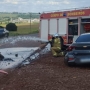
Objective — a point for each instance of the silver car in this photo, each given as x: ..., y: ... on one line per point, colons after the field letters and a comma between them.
x: 79, y: 52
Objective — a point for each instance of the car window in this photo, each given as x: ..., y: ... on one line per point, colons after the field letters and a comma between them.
x: 83, y: 38
x: 1, y: 30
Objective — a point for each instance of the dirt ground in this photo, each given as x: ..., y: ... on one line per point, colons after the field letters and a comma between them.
x: 46, y: 73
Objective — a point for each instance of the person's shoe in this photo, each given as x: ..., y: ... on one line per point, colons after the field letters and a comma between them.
x: 61, y: 54
x: 55, y: 55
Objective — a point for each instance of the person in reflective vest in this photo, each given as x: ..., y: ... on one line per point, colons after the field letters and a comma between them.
x: 56, y: 45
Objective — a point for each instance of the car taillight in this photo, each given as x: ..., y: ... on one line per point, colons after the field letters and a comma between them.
x: 70, y: 59
x: 70, y: 48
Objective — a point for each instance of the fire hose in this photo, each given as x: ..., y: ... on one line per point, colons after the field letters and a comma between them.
x: 36, y: 54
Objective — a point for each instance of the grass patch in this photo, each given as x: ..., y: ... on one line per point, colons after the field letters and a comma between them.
x: 25, y: 29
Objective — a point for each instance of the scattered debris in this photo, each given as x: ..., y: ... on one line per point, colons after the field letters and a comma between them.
x: 15, y: 56
x: 2, y: 71
x: 44, y: 48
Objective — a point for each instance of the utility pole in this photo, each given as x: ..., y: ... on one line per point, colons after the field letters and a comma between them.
x: 30, y: 22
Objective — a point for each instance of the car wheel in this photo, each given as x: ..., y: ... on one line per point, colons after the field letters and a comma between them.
x: 67, y: 63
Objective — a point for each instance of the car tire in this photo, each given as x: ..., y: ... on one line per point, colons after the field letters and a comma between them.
x: 68, y: 64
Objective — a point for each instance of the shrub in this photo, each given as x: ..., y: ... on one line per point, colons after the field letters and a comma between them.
x: 11, y: 27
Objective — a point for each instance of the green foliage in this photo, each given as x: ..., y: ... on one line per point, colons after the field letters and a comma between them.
x: 14, y: 15
x: 28, y: 15
x: 11, y: 27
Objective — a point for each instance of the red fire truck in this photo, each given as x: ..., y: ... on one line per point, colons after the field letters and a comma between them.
x: 68, y: 24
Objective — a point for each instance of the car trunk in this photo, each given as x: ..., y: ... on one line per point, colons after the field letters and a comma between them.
x: 82, y: 49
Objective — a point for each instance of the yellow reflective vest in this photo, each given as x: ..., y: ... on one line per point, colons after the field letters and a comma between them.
x: 56, y: 43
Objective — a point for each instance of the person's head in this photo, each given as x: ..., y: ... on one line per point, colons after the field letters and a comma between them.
x: 56, y: 35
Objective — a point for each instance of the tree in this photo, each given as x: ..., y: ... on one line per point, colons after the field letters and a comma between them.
x: 11, y: 27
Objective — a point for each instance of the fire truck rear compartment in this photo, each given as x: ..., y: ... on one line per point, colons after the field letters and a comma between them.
x: 85, y: 25
x: 77, y: 27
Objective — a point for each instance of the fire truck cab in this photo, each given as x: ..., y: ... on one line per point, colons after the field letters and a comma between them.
x: 68, y: 24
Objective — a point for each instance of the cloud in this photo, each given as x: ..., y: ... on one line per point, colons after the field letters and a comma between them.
x: 66, y: 2
x: 14, y: 1
x: 40, y: 5
x: 51, y: 2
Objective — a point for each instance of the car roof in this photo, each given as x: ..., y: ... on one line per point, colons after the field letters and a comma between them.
x: 85, y: 33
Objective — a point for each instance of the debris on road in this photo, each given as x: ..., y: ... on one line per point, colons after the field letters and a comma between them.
x: 2, y: 71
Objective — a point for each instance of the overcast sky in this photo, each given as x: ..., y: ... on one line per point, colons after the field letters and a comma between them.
x: 40, y: 5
